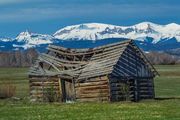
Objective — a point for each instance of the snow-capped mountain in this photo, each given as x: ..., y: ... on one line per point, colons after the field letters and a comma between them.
x: 141, y: 31
x: 32, y: 39
x: 26, y: 40
x: 147, y: 35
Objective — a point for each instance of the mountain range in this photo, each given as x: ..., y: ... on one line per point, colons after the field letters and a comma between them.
x: 147, y: 35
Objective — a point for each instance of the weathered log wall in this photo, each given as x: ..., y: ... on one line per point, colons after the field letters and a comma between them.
x: 136, y: 89
x: 45, y: 89
x: 146, y: 88
x: 119, y: 89
x: 93, y: 89
x: 133, y: 64
x: 142, y: 88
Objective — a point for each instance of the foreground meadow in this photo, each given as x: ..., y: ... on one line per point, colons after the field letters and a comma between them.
x: 145, y: 110
x: 166, y: 106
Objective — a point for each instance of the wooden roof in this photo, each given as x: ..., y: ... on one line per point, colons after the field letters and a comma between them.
x: 82, y: 63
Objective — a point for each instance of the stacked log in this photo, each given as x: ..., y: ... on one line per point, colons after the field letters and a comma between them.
x: 119, y: 90
x: 41, y: 88
x: 94, y: 89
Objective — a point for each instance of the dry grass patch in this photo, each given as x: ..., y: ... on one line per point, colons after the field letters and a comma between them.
x: 7, y: 90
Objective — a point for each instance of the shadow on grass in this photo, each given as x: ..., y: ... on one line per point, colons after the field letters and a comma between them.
x: 167, y: 98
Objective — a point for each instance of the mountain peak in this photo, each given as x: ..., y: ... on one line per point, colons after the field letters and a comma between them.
x: 146, y: 25
x: 97, y: 31
x: 142, y: 32
x: 23, y: 35
x: 33, y: 39
x: 173, y: 26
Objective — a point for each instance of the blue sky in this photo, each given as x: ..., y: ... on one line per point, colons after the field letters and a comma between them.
x: 47, y: 16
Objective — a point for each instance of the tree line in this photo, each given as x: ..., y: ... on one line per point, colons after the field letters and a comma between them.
x: 162, y: 58
x: 18, y: 58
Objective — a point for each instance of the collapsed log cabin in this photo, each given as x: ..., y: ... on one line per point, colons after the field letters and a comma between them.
x: 114, y: 72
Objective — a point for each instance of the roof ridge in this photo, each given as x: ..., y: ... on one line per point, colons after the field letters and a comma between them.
x: 94, y: 48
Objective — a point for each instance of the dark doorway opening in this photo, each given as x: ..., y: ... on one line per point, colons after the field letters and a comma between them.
x: 68, y: 92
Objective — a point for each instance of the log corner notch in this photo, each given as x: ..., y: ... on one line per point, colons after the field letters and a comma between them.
x: 113, y: 72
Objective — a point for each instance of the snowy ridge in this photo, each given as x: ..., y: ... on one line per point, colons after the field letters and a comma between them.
x: 98, y: 31
x: 147, y: 35
x: 33, y: 39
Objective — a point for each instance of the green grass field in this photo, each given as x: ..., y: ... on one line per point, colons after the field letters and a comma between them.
x: 166, y: 86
